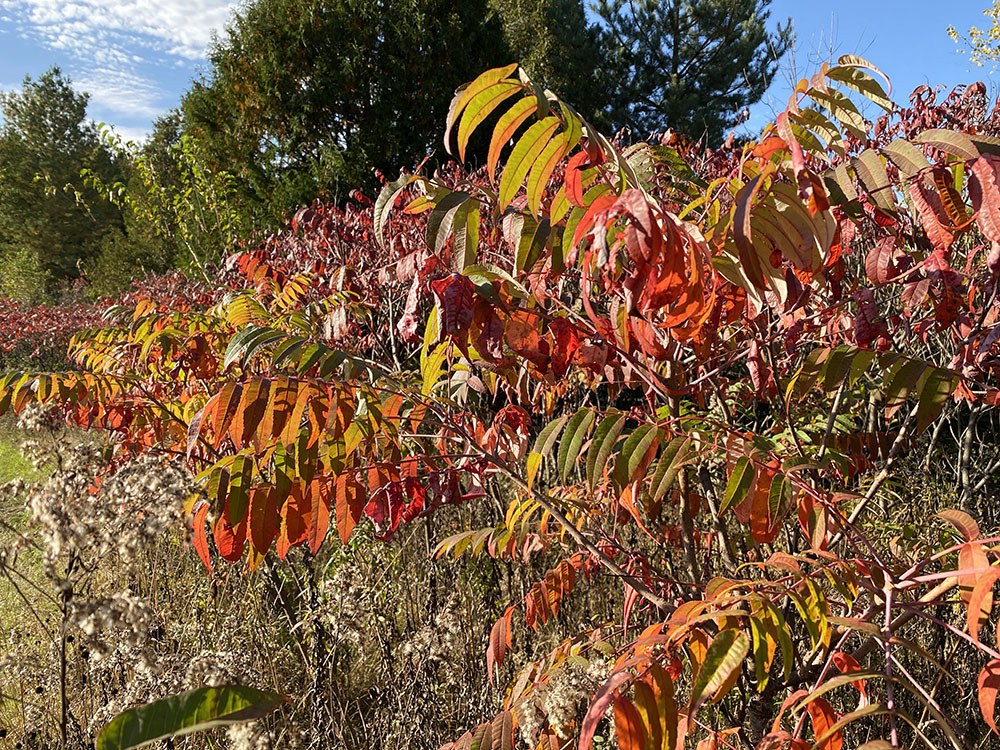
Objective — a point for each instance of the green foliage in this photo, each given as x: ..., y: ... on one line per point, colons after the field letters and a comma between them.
x: 47, y: 223
x: 306, y: 97
x: 187, y: 713
x: 177, y: 211
x: 22, y: 275
x: 690, y: 66
x: 553, y: 40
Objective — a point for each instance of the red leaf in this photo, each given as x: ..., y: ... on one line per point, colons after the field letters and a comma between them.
x: 488, y: 330
x: 847, y: 664
x: 566, y: 343
x: 573, y: 179
x: 453, y: 300
x: 229, y: 539
x: 963, y: 522
x: 880, y: 263
x: 407, y: 325
x: 985, y: 197
x: 760, y: 373
x: 928, y: 203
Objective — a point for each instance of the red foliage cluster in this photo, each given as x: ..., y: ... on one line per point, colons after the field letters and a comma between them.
x: 38, y: 330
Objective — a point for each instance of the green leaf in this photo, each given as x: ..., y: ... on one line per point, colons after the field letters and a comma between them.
x: 605, y: 436
x: 837, y: 367
x: 465, y: 94
x: 904, y: 380
x: 569, y: 448
x: 986, y: 144
x: 240, y: 479
x: 534, y: 236
x: 288, y: 350
x: 384, y: 203
x: 739, y: 484
x: 186, y: 713
x: 433, y: 366
x: 674, y: 457
x: 480, y: 107
x: 543, y: 446
x: 523, y: 156
x: 724, y: 656
x: 506, y: 126
x: 908, y: 158
x: 951, y: 142
x: 544, y: 166
x: 779, y: 498
x: 629, y: 463
x: 247, y: 342
x: 840, y: 185
x: 871, y: 172
x: 466, y: 229
x: 864, y: 84
x: 938, y: 388
x: 442, y: 217
x: 821, y: 125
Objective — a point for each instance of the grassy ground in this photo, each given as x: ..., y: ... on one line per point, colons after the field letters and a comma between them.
x: 12, y: 464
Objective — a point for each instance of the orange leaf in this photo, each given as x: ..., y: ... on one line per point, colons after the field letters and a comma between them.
x: 823, y: 717
x: 349, y: 504
x: 988, y: 682
x: 264, y: 517
x: 200, y: 538
x: 229, y: 399
x: 499, y: 642
x: 628, y: 726
x: 981, y: 601
x: 962, y: 521
x: 971, y: 557
x: 317, y: 496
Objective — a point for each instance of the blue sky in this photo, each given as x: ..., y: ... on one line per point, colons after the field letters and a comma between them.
x: 908, y: 40
x: 136, y: 57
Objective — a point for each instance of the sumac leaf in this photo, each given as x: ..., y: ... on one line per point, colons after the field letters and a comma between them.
x: 194, y: 711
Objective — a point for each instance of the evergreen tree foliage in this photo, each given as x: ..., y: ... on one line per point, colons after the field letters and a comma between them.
x: 47, y: 224
x: 560, y: 49
x: 689, y: 65
x: 306, y: 97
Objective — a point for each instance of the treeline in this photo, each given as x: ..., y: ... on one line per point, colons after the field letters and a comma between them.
x: 311, y: 99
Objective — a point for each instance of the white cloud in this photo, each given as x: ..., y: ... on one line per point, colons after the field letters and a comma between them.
x: 179, y: 27
x: 137, y: 135
x: 107, y: 41
x: 120, y: 91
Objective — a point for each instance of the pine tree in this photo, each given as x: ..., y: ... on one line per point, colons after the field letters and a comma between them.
x: 48, y: 222
x: 689, y: 65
